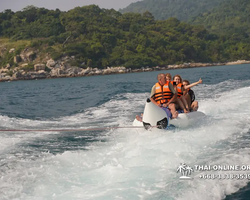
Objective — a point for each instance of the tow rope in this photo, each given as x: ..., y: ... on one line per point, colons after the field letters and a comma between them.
x: 67, y: 130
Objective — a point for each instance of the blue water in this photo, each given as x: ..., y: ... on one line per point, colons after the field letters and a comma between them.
x: 120, y: 163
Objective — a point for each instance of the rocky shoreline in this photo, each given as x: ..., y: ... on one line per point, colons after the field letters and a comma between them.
x: 50, y: 68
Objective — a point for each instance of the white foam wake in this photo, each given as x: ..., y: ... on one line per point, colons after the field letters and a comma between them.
x: 134, y: 163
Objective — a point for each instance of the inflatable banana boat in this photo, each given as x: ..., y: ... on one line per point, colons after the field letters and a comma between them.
x: 154, y: 116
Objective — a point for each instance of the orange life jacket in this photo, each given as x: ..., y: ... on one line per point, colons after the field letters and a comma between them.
x: 179, y: 90
x: 162, y: 93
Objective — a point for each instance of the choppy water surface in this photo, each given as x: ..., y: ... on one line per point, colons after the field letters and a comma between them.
x: 122, y: 163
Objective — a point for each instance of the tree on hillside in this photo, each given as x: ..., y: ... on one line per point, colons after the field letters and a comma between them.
x: 101, y: 37
x: 164, y: 9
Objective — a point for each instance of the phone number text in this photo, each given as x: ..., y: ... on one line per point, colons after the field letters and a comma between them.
x: 225, y: 176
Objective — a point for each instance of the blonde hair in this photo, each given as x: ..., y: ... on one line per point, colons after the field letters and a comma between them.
x: 169, y: 76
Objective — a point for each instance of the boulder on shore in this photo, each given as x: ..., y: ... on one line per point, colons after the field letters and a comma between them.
x: 38, y: 67
x: 51, y: 63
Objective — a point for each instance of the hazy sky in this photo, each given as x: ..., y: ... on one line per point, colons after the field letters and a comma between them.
x: 63, y: 5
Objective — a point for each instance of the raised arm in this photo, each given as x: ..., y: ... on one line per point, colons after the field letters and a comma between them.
x: 193, y: 84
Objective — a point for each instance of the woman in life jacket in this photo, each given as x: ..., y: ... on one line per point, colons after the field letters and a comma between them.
x: 181, y: 100
x: 189, y: 94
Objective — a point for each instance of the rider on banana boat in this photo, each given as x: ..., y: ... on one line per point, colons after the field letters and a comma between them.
x: 189, y: 94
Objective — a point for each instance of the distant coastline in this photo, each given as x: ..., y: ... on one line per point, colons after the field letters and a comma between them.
x: 59, y: 70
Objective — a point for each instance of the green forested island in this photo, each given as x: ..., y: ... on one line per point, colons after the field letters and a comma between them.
x: 183, y: 10
x: 224, y: 17
x: 101, y: 38
x: 230, y: 18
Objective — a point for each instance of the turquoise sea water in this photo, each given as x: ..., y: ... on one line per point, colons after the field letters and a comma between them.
x: 121, y: 163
